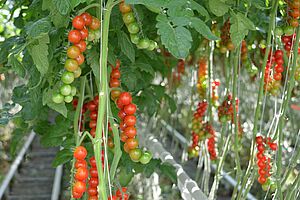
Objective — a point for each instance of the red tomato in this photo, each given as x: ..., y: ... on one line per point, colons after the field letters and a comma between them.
x: 93, y: 162
x: 93, y: 182
x: 93, y: 124
x: 92, y: 106
x: 80, y: 163
x: 87, y: 18
x: 92, y: 191
x: 130, y: 109
x: 78, y: 22
x: 120, y: 192
x: 93, y: 115
x: 115, y: 73
x: 130, y: 120
x: 81, y: 45
x: 130, y: 131
x: 81, y: 174
x: 113, y: 83
x: 84, y: 33
x: 125, y: 98
x: 80, y: 153
x: 121, y: 114
x: 80, y: 59
x: 94, y: 172
x: 74, y: 36
x: 79, y: 187
x: 132, y: 143
x: 95, y: 23
x: 76, y: 195
x: 93, y: 198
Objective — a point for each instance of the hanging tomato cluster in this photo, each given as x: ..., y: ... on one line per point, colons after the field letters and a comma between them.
x: 293, y: 12
x: 81, y: 173
x: 273, y: 76
x: 226, y: 43
x: 120, y: 195
x: 263, y: 161
x: 75, y: 56
x: 134, y: 29
x: 211, y: 144
x: 202, y: 77
x: 225, y: 110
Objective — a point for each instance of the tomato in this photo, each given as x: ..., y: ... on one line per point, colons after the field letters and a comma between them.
x: 80, y: 163
x: 67, y: 77
x: 259, y: 139
x: 95, y: 24
x: 91, y: 36
x: 261, y: 164
x: 273, y: 146
x: 73, y: 52
x: 81, y: 45
x: 78, y: 22
x: 118, y: 63
x: 65, y: 90
x: 152, y: 45
x: 288, y: 30
x: 130, y: 120
x: 114, y: 94
x: 113, y: 83
x: 73, y: 91
x: 93, y: 198
x: 96, y: 100
x: 295, y: 13
x: 124, y: 8
x: 146, y: 157
x: 80, y: 59
x: 80, y: 153
x: 77, y: 72
x: 93, y: 162
x: 119, y: 192
x: 294, y: 23
x: 87, y: 18
x: 130, y: 131
x: 84, y: 33
x: 132, y: 143
x: 112, y: 198
x: 135, y: 154
x: 126, y: 149
x: 81, y: 174
x: 92, y: 191
x: 130, y: 109
x: 133, y: 28
x: 76, y: 195
x: 68, y: 98
x: 277, y: 76
x: 125, y: 98
x: 91, y: 106
x: 260, y: 147
x: 93, y: 124
x: 115, y: 73
x: 71, y: 65
x: 74, y: 36
x: 143, y: 43
x: 57, y: 98
x: 93, y: 182
x: 123, y: 137
x: 262, y: 179
x: 93, y: 172
x: 134, y: 38
x: 128, y: 18
x: 230, y: 46
x: 93, y: 115
x: 262, y: 172
x: 122, y: 126
x: 93, y: 132
x: 79, y: 187
x: 278, y: 54
x: 119, y: 103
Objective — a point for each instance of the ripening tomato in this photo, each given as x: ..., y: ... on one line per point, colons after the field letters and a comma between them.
x: 71, y: 65
x: 115, y: 73
x: 84, y: 33
x: 125, y: 98
x: 294, y: 23
x: 87, y: 18
x: 130, y: 109
x: 93, y: 124
x: 118, y: 63
x: 114, y: 94
x: 130, y: 120
x: 74, y: 36
x: 230, y: 46
x: 78, y: 22
x: 130, y: 131
x: 76, y: 195
x: 80, y: 153
x: 110, y: 143
x: 73, y: 52
x: 124, y: 8
x: 93, y: 182
x: 77, y: 73
x: 81, y: 45
x: 126, y: 149
x: 79, y: 187
x: 114, y: 83
x: 92, y: 191
x: 80, y: 59
x: 93, y: 172
x: 81, y: 174
x: 123, y: 137
x: 135, y: 154
x: 80, y: 163
x: 277, y: 76
x: 132, y: 143
x: 95, y: 24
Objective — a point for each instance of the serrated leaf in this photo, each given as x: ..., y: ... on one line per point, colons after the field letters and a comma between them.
x: 239, y: 28
x: 218, y: 7
x: 177, y: 40
x: 16, y: 66
x: 144, y: 67
x: 126, y: 46
x: 75, y: 3
x: 260, y: 4
x: 63, y: 6
x: 180, y: 21
x: 202, y: 28
x: 201, y: 10
x: 62, y: 157
x: 38, y: 28
x: 39, y: 54
x: 47, y: 100
x: 129, y: 77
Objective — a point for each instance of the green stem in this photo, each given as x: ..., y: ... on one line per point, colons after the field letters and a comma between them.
x: 88, y: 7
x: 259, y: 100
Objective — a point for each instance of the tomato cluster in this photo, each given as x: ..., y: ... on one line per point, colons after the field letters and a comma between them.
x: 93, y: 181
x: 226, y: 43
x: 263, y: 161
x: 114, y: 81
x: 81, y: 173
x: 273, y: 72
x: 225, y: 110
x: 202, y: 77
x: 293, y: 12
x: 211, y: 141
x: 77, y: 37
x: 121, y: 194
x: 134, y: 29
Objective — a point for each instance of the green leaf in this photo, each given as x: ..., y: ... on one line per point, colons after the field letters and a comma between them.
x: 201, y: 10
x: 151, y: 3
x: 171, y: 103
x: 47, y: 100
x: 16, y: 66
x: 126, y: 46
x: 240, y: 26
x: 202, y: 28
x: 75, y: 3
x: 38, y: 28
x: 177, y: 40
x: 169, y: 171
x: 39, y: 53
x: 260, y: 4
x: 16, y: 140
x: 92, y: 58
x: 63, y: 6
x: 62, y: 157
x: 144, y: 67
x: 130, y: 77
x: 218, y: 7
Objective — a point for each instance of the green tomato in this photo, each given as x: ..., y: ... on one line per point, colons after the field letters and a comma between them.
x: 143, y: 44
x: 133, y: 28
x: 91, y: 35
x: 77, y: 72
x: 134, y: 38
x: 288, y: 30
x: 146, y: 157
x: 57, y: 98
x: 65, y: 90
x: 128, y: 18
x: 73, y: 91
x: 135, y: 154
x: 152, y: 45
x: 278, y: 31
x: 68, y: 99
x: 97, y: 34
x: 67, y: 77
